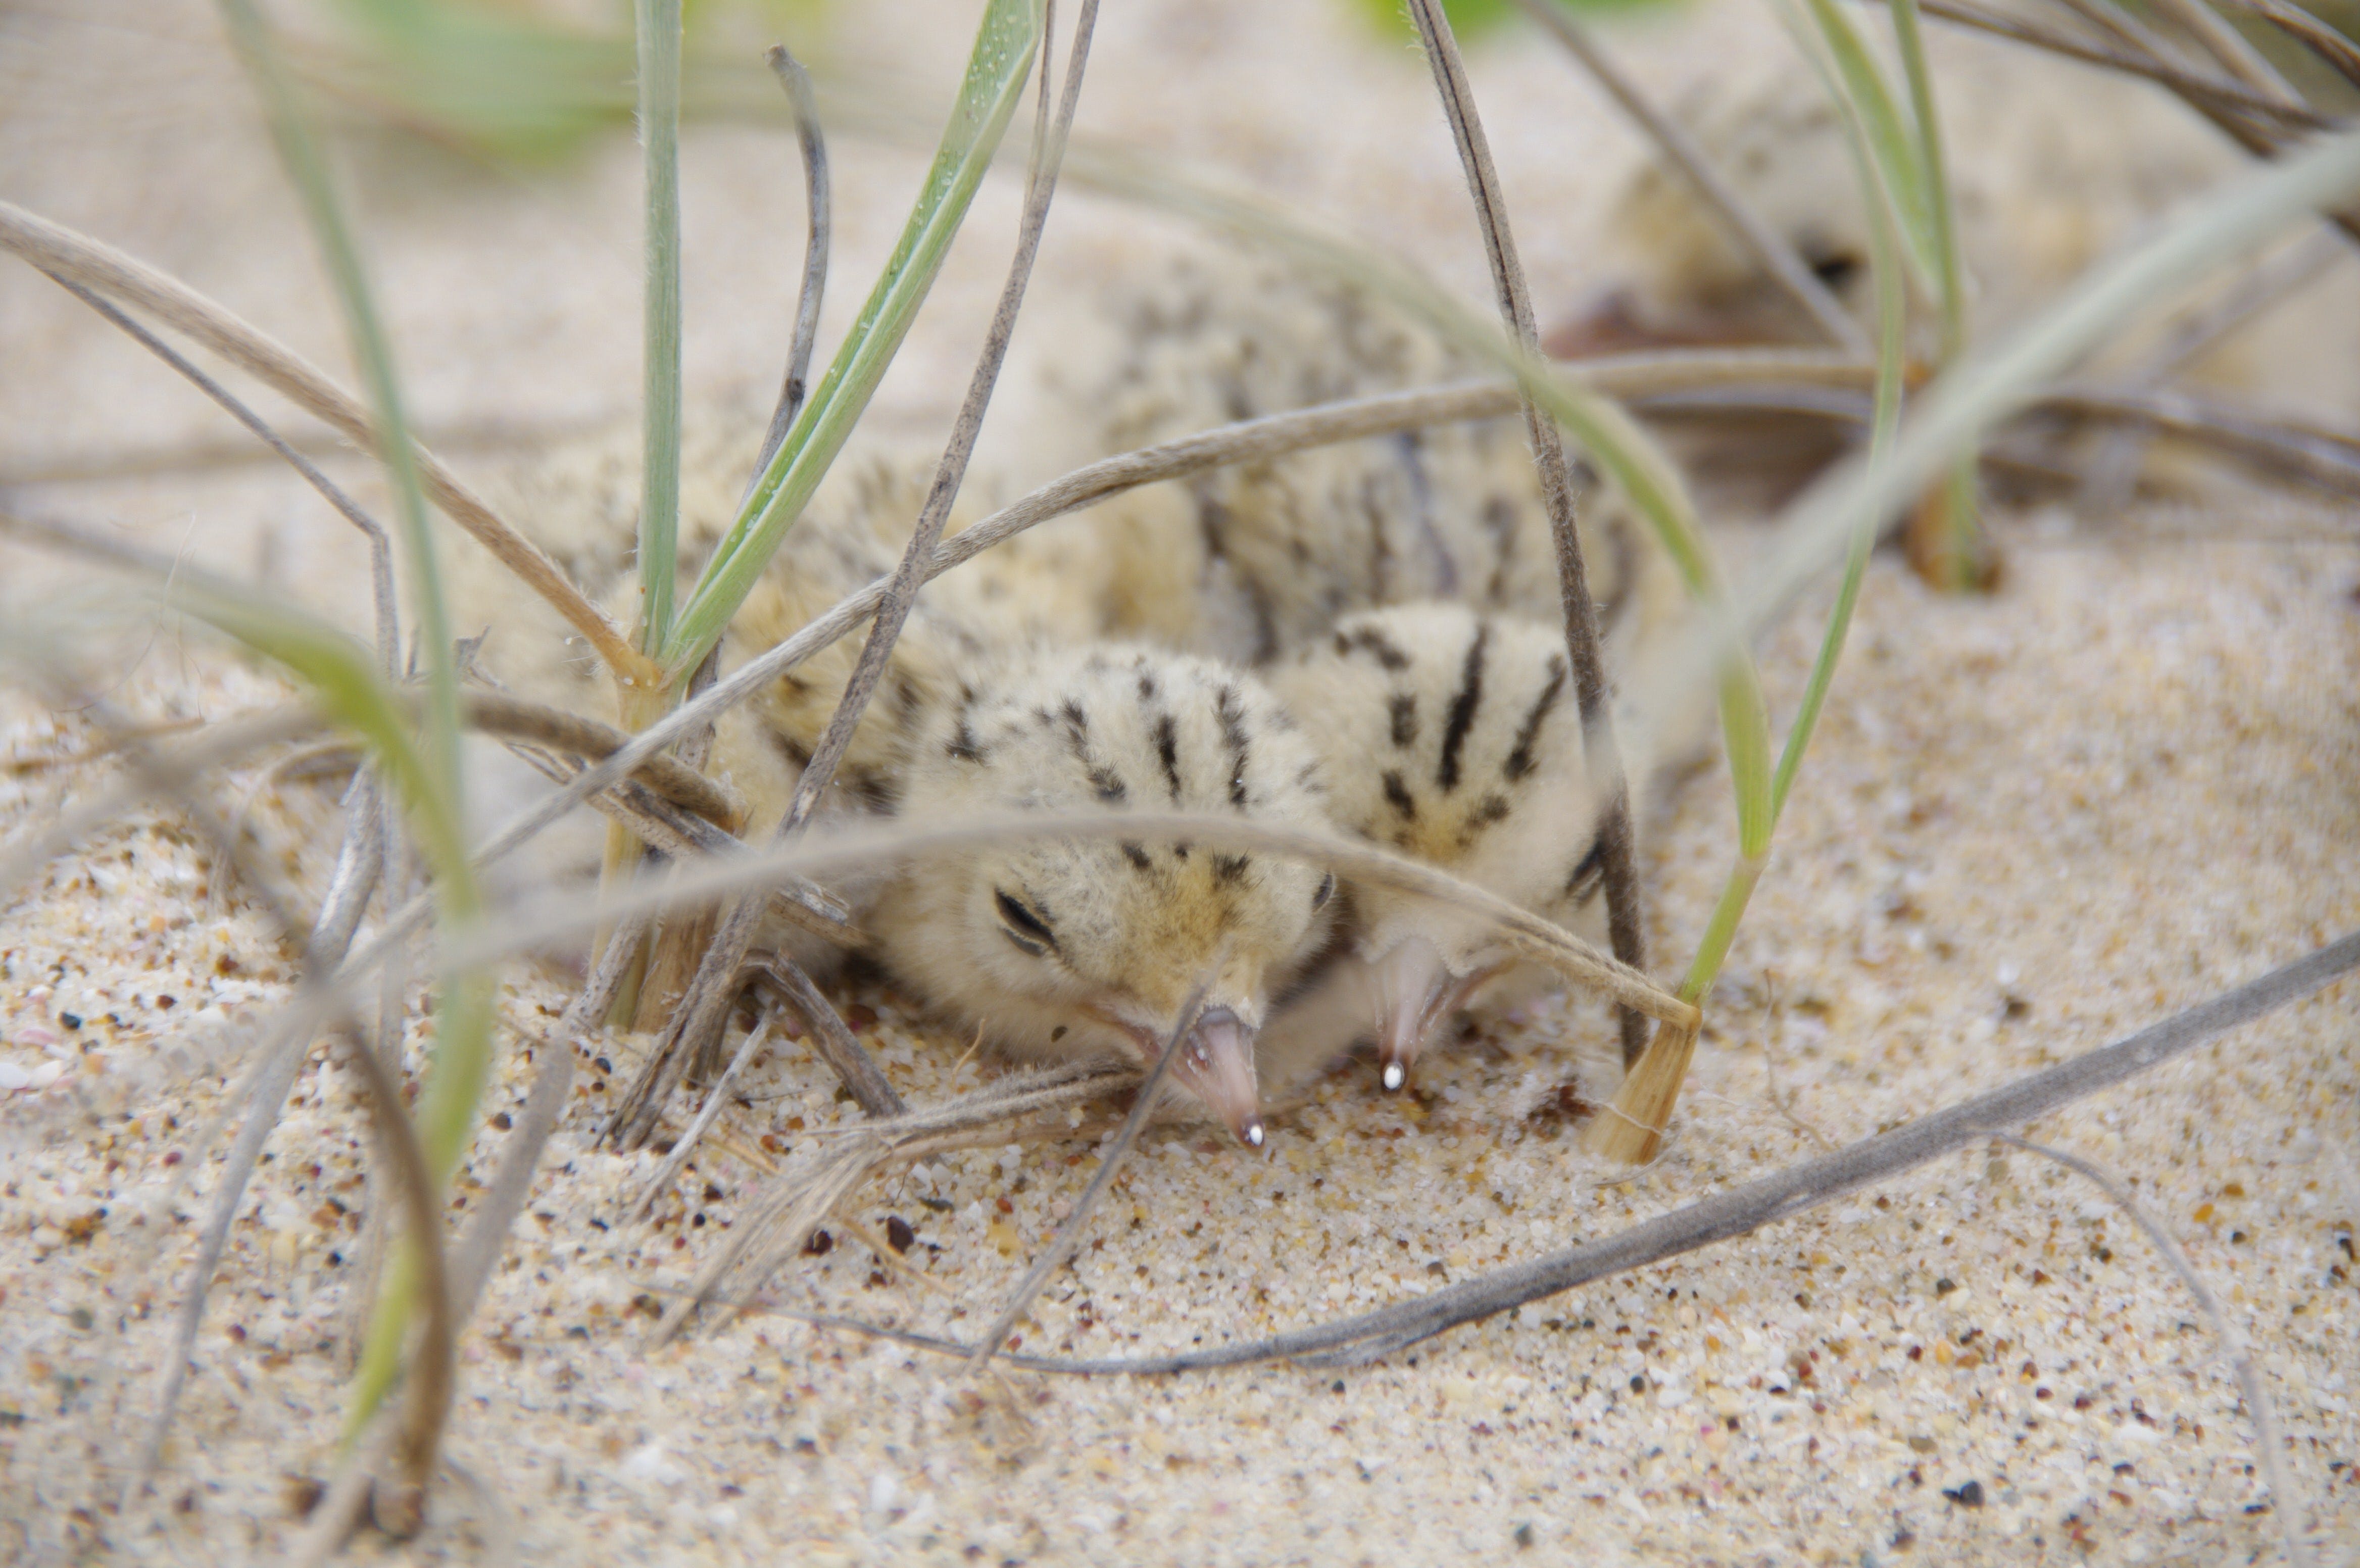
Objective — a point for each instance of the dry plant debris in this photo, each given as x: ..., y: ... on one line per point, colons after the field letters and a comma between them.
x: 2043, y: 822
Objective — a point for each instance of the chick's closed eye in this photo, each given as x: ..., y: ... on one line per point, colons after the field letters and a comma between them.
x: 1027, y: 929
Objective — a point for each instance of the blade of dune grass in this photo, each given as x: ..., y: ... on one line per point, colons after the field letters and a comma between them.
x: 1956, y: 558
x: 658, y: 74
x: 1963, y: 403
x: 462, y: 1058
x: 1722, y: 927
x: 1005, y: 48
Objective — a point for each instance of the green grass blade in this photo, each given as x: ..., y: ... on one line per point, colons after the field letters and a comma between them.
x: 341, y: 254
x: 463, y: 1023
x: 659, y: 52
x: 1961, y: 549
x: 1892, y: 351
x: 1934, y: 165
x: 1721, y: 931
x: 345, y: 679
x: 1895, y: 148
x: 1005, y: 48
x: 343, y: 676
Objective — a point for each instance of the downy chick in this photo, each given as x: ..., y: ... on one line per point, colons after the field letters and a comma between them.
x: 1453, y: 737
x: 2062, y: 164
x: 1251, y: 561
x: 1267, y: 558
x: 2052, y: 167
x: 997, y: 700
x: 991, y: 655
x: 1089, y: 947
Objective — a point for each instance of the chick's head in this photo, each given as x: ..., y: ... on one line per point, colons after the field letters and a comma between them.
x: 1089, y: 945
x: 1454, y: 738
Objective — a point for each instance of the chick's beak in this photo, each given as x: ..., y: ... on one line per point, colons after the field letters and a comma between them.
x: 1415, y: 992
x: 1216, y: 1065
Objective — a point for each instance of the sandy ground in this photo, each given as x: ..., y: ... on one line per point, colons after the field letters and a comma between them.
x: 2031, y: 825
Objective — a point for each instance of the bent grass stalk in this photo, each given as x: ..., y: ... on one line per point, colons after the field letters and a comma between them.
x: 1632, y: 1129
x: 1951, y: 551
x: 430, y: 778
x: 1964, y: 402
x: 656, y: 28
x: 1005, y: 48
x: 658, y: 25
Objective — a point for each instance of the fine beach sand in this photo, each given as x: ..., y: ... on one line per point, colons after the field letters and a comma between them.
x: 2030, y: 824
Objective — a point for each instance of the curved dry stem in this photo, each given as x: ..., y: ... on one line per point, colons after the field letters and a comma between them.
x: 2326, y: 457
x: 2229, y: 49
x: 431, y: 1373
x: 389, y: 616
x: 2342, y: 55
x: 1617, y: 858
x: 819, y: 204
x: 1069, y: 1234
x: 1725, y: 1215
x: 524, y: 927
x: 2215, y: 94
x: 497, y: 713
x: 2269, y: 1447
x: 66, y: 254
x: 837, y: 1045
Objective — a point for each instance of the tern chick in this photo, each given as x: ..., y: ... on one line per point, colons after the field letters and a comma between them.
x: 1454, y: 737
x: 1094, y: 947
